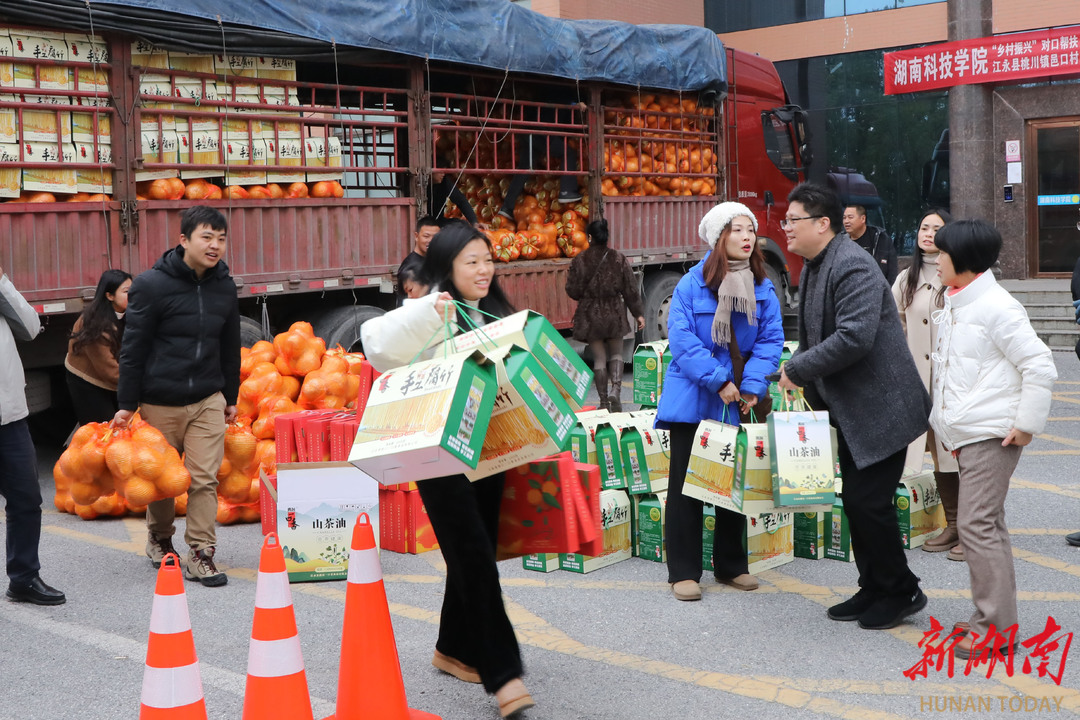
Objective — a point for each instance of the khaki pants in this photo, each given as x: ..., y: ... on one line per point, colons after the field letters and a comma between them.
x: 985, y: 470
x: 198, y: 431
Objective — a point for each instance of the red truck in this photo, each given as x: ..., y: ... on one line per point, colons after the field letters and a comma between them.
x: 377, y: 127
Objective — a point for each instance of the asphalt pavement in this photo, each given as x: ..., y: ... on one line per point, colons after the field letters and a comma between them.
x: 610, y: 645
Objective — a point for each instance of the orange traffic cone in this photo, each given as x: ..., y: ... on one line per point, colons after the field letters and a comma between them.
x: 172, y: 686
x: 276, y: 682
x: 369, y: 678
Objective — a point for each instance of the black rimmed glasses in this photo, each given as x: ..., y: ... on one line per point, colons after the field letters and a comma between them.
x: 789, y: 222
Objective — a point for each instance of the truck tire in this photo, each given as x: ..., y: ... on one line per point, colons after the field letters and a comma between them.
x: 774, y: 274
x: 251, y: 331
x: 38, y: 390
x: 341, y: 326
x: 657, y: 300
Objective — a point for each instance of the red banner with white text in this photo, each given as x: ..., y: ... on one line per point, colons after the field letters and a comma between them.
x: 1000, y: 59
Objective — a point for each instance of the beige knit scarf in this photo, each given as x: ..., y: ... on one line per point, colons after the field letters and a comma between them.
x: 735, y: 294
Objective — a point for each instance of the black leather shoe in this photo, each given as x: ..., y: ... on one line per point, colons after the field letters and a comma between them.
x: 853, y: 607
x: 36, y: 592
x: 890, y: 611
x: 1073, y: 539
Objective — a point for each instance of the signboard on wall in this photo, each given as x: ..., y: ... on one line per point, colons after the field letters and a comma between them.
x: 999, y: 59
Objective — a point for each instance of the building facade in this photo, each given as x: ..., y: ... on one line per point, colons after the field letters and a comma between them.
x: 1008, y: 152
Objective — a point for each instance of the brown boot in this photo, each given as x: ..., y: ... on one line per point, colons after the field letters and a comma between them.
x: 948, y: 485
x: 600, y: 379
x: 614, y: 373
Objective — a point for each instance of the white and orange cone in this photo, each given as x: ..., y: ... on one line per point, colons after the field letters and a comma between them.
x: 276, y: 682
x: 369, y: 678
x: 172, y: 685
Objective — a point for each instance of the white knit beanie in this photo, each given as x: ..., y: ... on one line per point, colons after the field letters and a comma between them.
x: 718, y: 218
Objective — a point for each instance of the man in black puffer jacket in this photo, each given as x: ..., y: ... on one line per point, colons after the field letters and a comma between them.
x: 180, y: 365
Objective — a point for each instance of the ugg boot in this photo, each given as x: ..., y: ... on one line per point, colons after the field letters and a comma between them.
x: 949, y: 490
x: 600, y: 380
x: 614, y: 372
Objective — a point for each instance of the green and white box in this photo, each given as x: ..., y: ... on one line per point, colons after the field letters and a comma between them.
x: 918, y: 509
x: 530, y: 418
x: 809, y: 530
x: 708, y: 536
x: 615, y: 525
x: 426, y: 420
x: 649, y: 513
x: 645, y: 457
x: 543, y: 562
x: 608, y: 455
x: 649, y: 372
x: 839, y: 534
x: 533, y: 332
x: 769, y: 541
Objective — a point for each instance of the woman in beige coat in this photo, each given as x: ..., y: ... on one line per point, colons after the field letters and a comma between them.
x: 918, y: 293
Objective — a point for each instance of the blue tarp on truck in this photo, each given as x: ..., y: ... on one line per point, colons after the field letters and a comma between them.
x: 494, y: 34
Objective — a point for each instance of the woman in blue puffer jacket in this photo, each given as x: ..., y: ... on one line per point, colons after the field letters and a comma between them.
x: 724, y: 297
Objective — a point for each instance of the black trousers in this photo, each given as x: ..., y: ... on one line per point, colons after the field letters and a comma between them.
x: 474, y: 627
x: 875, y: 532
x: 92, y: 403
x: 19, y: 486
x: 684, y: 521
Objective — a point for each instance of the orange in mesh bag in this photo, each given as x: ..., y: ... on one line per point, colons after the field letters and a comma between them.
x: 331, y: 387
x: 261, y: 352
x: 299, y: 351
x: 264, y: 380
x: 269, y: 408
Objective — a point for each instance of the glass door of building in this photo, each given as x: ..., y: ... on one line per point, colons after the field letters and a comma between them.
x: 1054, y: 208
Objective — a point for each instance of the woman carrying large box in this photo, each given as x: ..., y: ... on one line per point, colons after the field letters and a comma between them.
x: 476, y: 641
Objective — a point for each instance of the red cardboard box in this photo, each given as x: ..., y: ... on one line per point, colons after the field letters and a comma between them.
x: 538, y: 513
x: 285, y: 437
x: 419, y: 534
x: 268, y: 502
x: 589, y: 478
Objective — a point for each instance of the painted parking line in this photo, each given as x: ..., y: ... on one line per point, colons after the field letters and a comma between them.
x: 1046, y: 487
x: 1070, y: 442
x: 789, y: 692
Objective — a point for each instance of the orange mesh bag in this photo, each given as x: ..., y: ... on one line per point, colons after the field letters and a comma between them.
x: 261, y: 352
x: 299, y: 351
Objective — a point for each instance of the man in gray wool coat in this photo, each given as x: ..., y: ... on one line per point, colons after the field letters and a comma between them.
x: 854, y: 362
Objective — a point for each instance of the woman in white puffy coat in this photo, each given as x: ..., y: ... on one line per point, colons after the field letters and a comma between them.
x: 918, y: 293
x: 992, y: 382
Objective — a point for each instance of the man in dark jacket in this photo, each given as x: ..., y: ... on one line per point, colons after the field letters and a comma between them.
x: 853, y: 361
x: 180, y: 365
x: 872, y: 239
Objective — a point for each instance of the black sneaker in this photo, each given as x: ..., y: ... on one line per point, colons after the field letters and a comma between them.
x: 1073, y: 539
x: 890, y: 611
x: 853, y: 607
x: 569, y: 197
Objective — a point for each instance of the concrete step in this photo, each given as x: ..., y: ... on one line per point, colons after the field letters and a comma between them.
x: 1053, y: 324
x: 1060, y: 340
x: 1050, y: 310
x: 1047, y: 297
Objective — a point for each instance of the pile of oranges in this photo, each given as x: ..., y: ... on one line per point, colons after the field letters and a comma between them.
x: 108, y: 472
x: 201, y: 189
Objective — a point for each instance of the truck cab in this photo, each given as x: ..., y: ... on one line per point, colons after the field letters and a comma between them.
x: 767, y: 156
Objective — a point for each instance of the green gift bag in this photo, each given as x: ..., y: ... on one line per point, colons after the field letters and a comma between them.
x: 751, y: 487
